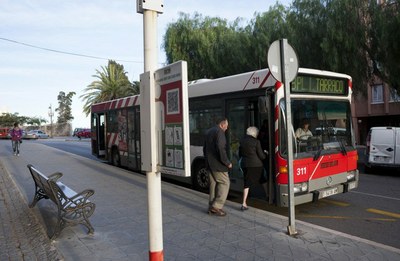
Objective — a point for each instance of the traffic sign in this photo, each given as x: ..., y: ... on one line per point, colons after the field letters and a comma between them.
x: 290, y: 64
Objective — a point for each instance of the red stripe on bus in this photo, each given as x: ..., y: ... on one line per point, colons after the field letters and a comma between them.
x: 120, y: 103
x: 126, y: 101
x: 278, y: 85
x: 276, y: 130
x: 248, y: 80
x: 134, y: 100
x: 265, y: 79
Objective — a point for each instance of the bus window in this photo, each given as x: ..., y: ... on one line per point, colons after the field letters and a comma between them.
x: 323, y: 117
x: 236, y: 113
x: 203, y: 114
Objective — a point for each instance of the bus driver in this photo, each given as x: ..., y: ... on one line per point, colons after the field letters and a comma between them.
x: 303, y: 133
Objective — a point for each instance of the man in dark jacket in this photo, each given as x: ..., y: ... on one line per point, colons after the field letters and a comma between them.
x: 218, y: 166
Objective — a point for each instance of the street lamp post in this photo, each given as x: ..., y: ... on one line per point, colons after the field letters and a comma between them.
x: 51, y: 114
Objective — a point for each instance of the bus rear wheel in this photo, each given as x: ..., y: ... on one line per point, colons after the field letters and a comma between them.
x: 200, y: 177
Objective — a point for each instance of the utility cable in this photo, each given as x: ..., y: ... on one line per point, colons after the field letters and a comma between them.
x: 63, y: 52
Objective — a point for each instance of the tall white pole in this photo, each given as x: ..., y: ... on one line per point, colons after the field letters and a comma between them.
x: 292, y: 224
x: 284, y: 69
x: 150, y: 40
x: 153, y: 178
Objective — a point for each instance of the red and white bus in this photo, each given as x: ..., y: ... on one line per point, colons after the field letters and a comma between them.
x: 324, y: 164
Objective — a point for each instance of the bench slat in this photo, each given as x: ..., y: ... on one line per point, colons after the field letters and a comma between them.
x: 67, y: 190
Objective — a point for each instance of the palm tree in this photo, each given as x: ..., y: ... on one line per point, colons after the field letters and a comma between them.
x: 112, y: 83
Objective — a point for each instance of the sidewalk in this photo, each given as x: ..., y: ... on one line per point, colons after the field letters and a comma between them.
x: 121, y: 223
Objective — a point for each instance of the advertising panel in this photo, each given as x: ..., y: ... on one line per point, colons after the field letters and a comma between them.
x: 173, y: 108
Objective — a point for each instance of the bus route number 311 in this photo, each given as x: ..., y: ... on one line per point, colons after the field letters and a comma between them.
x: 301, y: 171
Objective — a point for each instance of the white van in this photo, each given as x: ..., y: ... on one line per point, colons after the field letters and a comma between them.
x: 383, y: 148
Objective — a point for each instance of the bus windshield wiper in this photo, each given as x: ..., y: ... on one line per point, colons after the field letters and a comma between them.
x: 342, y: 147
x: 318, y: 153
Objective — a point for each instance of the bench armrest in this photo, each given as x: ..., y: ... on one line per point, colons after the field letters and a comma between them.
x: 55, y: 176
x: 82, y: 197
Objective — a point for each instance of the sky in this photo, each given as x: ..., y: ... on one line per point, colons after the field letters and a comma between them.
x: 48, y: 46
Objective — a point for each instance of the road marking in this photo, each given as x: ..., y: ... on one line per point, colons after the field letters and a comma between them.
x: 379, y: 196
x: 318, y: 216
x: 335, y: 202
x: 382, y: 212
x: 344, y: 217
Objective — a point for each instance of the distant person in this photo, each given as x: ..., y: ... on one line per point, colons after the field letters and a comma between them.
x: 218, y: 166
x: 16, y: 138
x: 252, y: 155
x: 303, y: 133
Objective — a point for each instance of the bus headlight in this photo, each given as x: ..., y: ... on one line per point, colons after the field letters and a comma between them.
x: 350, y: 175
x: 300, y: 187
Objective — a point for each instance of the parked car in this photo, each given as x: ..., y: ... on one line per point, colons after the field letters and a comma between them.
x: 4, y: 133
x: 76, y: 131
x: 35, y: 134
x: 83, y: 133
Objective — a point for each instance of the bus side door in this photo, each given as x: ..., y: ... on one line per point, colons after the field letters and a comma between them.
x: 98, y: 137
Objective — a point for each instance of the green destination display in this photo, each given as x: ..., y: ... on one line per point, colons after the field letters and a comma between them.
x: 319, y: 85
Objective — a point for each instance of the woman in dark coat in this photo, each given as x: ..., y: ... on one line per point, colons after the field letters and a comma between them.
x: 252, y: 162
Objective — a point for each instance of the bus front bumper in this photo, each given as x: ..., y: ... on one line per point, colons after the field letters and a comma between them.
x: 283, y: 200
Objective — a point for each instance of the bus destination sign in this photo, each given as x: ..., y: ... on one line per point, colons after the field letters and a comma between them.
x: 319, y: 85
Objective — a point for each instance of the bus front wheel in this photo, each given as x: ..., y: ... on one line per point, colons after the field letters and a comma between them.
x: 200, y: 177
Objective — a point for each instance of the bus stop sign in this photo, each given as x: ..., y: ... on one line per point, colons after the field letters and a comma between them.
x: 283, y: 65
x: 290, y: 62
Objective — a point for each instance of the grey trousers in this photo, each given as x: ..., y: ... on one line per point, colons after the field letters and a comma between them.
x: 15, y: 146
x: 219, y: 188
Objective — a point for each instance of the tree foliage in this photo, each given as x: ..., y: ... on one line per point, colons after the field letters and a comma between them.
x: 64, y: 107
x: 385, y: 37
x: 356, y: 37
x: 8, y: 119
x: 331, y: 35
x: 207, y: 41
x: 112, y: 83
x: 35, y: 121
x: 264, y: 29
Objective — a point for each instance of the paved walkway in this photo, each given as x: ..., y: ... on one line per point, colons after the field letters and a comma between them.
x: 22, y: 237
x: 121, y: 226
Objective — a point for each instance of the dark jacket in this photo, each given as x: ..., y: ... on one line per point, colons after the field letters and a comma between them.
x: 251, y: 152
x: 215, y: 150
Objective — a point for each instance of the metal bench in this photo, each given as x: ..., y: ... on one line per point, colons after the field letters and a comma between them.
x: 73, y: 208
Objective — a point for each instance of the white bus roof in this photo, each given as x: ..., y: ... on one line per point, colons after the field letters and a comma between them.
x: 246, y: 81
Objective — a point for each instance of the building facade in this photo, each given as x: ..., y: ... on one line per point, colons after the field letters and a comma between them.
x: 381, y: 107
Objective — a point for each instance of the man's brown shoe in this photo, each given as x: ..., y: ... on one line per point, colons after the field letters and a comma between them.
x: 216, y: 212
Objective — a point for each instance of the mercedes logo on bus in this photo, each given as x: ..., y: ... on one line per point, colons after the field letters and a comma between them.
x: 328, y: 181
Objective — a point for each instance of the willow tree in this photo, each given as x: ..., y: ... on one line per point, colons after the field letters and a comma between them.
x: 356, y: 37
x: 211, y: 46
x: 265, y: 28
x: 307, y: 21
x: 385, y: 37
x: 345, y: 45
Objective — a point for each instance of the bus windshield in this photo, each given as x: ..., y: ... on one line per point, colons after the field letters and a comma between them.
x: 320, y: 127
